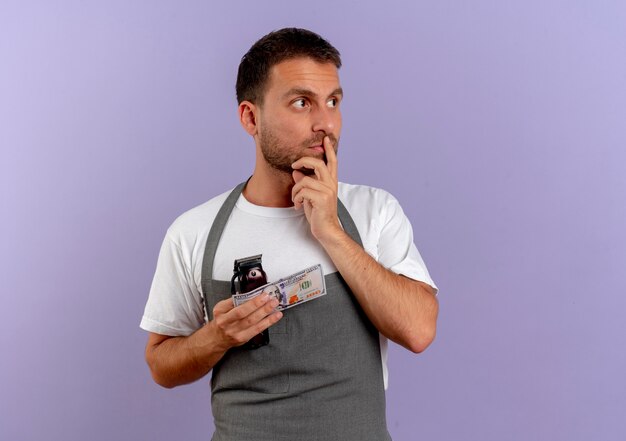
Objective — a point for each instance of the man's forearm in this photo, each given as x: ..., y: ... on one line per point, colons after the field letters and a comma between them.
x: 181, y: 360
x: 402, y: 309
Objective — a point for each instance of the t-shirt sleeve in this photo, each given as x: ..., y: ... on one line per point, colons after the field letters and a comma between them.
x: 396, y: 249
x: 174, y: 305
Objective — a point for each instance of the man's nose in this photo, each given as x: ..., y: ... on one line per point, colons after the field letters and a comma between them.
x: 325, y: 120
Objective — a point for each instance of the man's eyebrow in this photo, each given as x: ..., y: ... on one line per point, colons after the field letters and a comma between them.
x: 307, y: 92
x: 338, y: 92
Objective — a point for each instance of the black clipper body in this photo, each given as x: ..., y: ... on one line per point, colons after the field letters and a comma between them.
x: 249, y: 275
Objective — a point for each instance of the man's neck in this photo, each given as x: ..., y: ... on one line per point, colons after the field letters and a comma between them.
x: 269, y: 188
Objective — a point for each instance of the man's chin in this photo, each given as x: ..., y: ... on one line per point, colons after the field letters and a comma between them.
x: 312, y: 154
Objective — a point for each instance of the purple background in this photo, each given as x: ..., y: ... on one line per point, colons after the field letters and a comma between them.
x: 500, y: 127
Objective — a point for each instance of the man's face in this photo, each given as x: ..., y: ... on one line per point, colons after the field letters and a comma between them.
x: 300, y: 107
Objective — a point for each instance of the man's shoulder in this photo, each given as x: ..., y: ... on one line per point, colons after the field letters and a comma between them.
x: 363, y: 196
x: 195, y: 221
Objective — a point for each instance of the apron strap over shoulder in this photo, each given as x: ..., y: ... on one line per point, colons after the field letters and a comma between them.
x: 211, y: 245
x: 348, y: 223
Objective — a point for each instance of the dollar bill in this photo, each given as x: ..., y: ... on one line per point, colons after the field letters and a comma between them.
x: 305, y: 285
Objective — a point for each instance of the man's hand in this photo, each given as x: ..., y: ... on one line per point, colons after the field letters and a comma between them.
x: 235, y: 326
x: 180, y: 360
x: 318, y: 193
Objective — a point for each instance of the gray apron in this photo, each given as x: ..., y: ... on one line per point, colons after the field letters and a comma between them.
x: 319, y: 378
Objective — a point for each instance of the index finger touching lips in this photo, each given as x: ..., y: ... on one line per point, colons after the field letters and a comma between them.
x: 331, y: 156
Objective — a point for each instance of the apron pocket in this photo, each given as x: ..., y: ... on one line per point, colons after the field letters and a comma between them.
x: 263, y: 370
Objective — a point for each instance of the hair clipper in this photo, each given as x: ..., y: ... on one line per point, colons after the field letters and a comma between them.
x: 249, y: 275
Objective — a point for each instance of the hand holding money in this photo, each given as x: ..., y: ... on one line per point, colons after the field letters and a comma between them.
x: 236, y: 325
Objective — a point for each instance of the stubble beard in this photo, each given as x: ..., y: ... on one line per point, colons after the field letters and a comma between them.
x: 280, y: 156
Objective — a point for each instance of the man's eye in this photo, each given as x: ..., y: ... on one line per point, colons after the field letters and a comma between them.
x: 300, y: 104
x: 333, y: 102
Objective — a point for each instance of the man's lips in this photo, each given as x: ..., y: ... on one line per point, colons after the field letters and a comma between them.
x: 317, y: 148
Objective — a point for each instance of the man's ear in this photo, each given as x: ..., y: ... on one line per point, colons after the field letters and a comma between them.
x: 248, y: 117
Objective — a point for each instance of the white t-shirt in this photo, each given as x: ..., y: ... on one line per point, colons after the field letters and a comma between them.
x: 283, y: 237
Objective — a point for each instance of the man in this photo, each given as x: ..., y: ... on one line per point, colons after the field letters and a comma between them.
x: 322, y: 374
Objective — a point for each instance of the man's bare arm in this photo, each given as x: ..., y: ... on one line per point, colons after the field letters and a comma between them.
x: 175, y: 361
x: 402, y: 309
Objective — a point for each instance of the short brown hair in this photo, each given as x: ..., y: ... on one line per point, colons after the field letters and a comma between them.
x: 275, y: 47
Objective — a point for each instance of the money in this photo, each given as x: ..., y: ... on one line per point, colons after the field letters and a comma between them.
x: 290, y: 291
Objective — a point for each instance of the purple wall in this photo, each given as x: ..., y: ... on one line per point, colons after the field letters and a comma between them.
x: 501, y: 129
